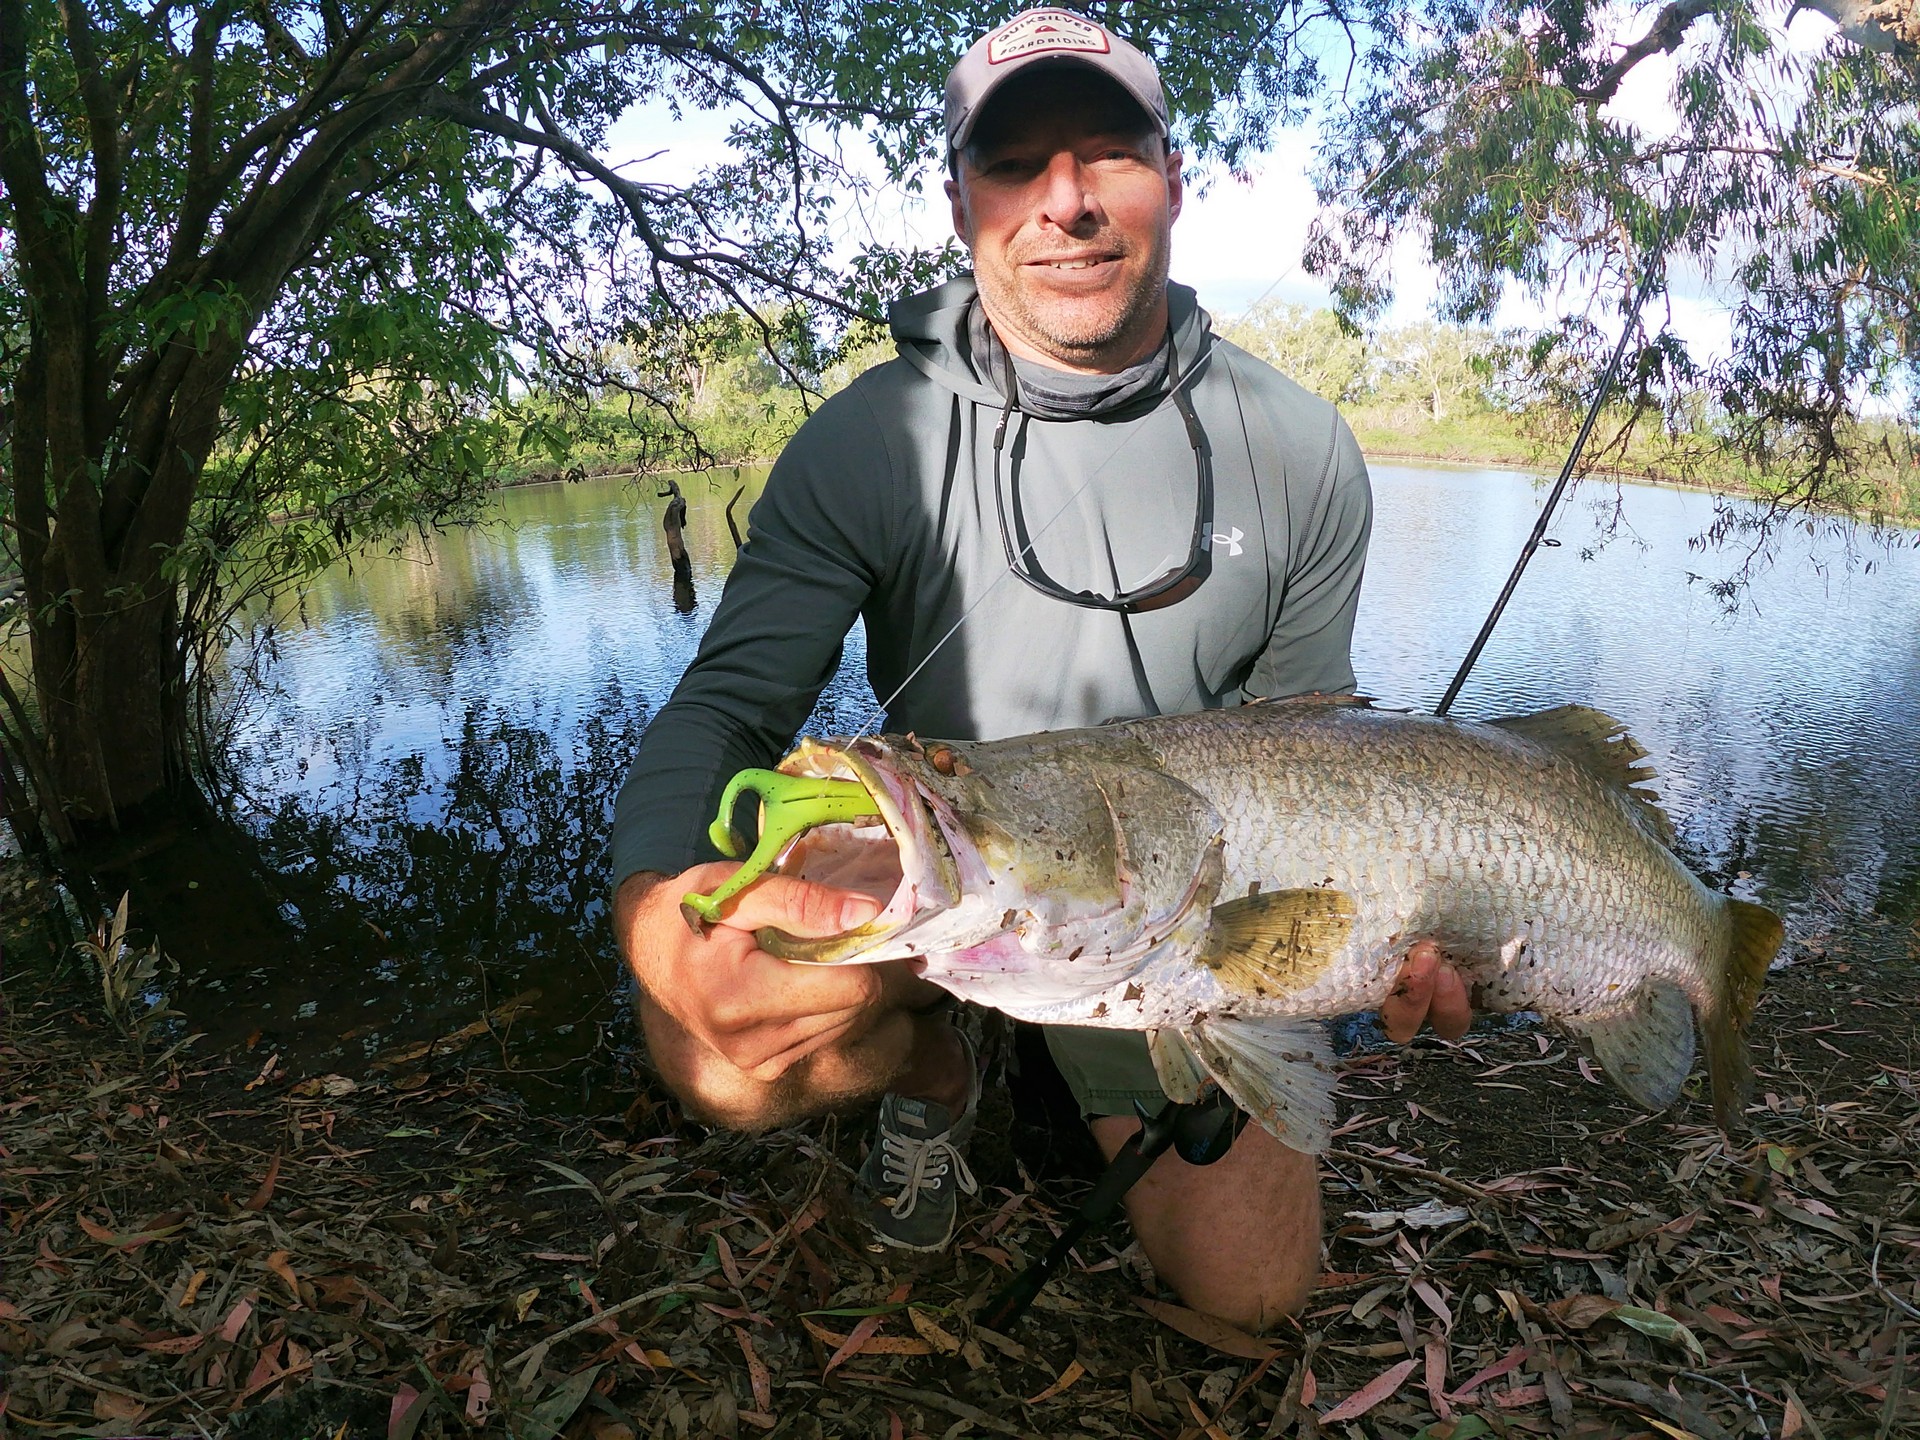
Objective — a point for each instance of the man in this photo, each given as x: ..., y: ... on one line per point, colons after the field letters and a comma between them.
x: 1184, y: 527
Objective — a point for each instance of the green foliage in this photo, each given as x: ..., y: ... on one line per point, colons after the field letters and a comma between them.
x: 1488, y: 129
x: 1463, y: 392
x: 1430, y: 370
x: 721, y: 401
x: 129, y: 978
x: 286, y: 276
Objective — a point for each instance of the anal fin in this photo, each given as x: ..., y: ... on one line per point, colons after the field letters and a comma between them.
x: 1646, y: 1049
x: 1279, y: 1071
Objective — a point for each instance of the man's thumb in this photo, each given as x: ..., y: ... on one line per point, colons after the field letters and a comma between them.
x: 799, y: 907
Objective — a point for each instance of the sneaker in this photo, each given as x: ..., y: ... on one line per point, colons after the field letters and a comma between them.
x: 915, y: 1173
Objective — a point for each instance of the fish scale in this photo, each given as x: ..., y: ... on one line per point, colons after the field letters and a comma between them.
x: 1242, y: 875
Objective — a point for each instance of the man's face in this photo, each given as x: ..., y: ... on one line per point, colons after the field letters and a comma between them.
x: 1067, y: 199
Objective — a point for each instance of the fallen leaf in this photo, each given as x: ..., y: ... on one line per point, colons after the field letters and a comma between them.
x: 1505, y: 1365
x: 1520, y: 1396
x: 1793, y: 1421
x: 551, y: 1415
x: 236, y: 1321
x: 122, y: 1408
x: 1066, y: 1378
x: 929, y: 1330
x: 403, y: 1415
x: 479, y: 1395
x: 1577, y: 1312
x: 1209, y: 1330
x: 265, y: 1192
x: 758, y: 1376
x: 1660, y: 1327
x: 279, y: 1263
x: 870, y: 1343
x: 1435, y: 1355
x: 1370, y: 1394
x: 1430, y: 1297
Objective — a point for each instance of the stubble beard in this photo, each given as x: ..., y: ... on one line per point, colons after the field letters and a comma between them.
x: 1076, y: 332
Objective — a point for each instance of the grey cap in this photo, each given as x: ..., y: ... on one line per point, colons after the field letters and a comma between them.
x: 1048, y: 36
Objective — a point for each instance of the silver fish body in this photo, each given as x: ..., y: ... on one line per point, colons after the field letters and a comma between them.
x: 1226, y: 880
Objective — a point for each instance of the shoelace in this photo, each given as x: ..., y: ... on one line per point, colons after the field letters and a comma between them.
x: 918, y: 1166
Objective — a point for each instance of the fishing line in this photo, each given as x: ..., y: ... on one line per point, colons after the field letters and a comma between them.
x: 1654, y: 257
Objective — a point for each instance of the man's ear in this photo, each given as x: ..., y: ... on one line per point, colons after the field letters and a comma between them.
x: 959, y: 204
x: 1176, y: 191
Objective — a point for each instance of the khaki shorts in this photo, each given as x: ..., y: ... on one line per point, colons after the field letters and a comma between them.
x: 1107, y: 1070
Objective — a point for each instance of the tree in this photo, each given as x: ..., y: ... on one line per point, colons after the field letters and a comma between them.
x: 271, y: 265
x: 1308, y: 346
x: 1793, y: 178
x: 1443, y: 369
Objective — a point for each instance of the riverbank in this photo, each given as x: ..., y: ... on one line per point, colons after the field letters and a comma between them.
x: 214, y: 1242
x: 1395, y: 438
x: 1888, y: 495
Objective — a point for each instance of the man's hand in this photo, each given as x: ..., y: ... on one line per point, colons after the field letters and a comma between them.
x: 760, y: 1014
x: 1429, y: 990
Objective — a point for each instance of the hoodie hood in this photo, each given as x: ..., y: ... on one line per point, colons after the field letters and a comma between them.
x: 933, y: 332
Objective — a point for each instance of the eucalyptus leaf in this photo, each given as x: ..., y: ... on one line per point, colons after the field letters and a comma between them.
x: 1660, y: 1327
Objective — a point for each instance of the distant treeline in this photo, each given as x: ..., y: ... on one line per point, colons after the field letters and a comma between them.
x: 1422, y: 391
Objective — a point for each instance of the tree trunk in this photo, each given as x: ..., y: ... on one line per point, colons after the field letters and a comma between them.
x: 109, y: 688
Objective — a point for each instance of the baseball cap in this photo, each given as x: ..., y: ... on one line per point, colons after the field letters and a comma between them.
x: 1047, y: 36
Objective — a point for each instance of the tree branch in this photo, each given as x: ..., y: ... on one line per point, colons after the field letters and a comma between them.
x: 1663, y: 37
x: 103, y: 215
x: 634, y: 198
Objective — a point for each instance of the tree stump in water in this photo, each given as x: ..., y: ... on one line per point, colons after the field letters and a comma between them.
x: 674, y: 522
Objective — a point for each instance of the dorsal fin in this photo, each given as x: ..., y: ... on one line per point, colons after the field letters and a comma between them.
x: 1318, y: 697
x: 1601, y: 745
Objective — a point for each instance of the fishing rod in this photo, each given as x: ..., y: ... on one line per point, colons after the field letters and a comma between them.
x: 1538, y: 537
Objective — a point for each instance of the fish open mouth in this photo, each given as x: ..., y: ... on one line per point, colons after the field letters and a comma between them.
x: 899, y: 856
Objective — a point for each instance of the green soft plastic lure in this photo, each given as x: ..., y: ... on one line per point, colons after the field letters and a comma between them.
x: 789, y: 804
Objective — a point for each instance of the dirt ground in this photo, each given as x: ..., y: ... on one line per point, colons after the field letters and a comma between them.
x: 209, y: 1244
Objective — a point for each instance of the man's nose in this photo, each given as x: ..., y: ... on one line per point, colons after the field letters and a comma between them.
x: 1067, y: 198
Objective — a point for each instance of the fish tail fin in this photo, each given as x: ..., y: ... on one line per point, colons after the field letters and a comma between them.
x: 1755, y: 936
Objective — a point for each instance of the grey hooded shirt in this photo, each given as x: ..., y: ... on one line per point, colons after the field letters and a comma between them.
x: 882, y: 506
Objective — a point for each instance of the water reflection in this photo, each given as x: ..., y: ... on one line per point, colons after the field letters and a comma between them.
x: 1787, y: 733
x: 433, y: 767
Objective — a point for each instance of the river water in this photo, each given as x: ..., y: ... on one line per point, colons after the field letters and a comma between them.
x: 432, y: 761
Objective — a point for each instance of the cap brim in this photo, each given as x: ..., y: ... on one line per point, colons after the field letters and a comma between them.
x: 964, y: 134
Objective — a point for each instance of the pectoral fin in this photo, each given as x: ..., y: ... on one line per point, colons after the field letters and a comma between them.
x: 1279, y: 942
x: 1646, y: 1049
x: 1279, y: 1071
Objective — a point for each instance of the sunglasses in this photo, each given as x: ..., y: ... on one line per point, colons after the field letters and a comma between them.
x: 1171, y: 588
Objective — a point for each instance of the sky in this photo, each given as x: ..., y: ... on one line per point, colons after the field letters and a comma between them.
x: 1240, y: 238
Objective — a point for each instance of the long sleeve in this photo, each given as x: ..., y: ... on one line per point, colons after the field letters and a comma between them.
x: 818, y: 542
x: 1311, y: 645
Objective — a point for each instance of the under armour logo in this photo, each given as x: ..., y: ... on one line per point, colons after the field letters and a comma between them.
x: 1232, y: 542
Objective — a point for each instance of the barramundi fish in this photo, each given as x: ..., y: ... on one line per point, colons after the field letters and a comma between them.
x: 1227, y: 881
